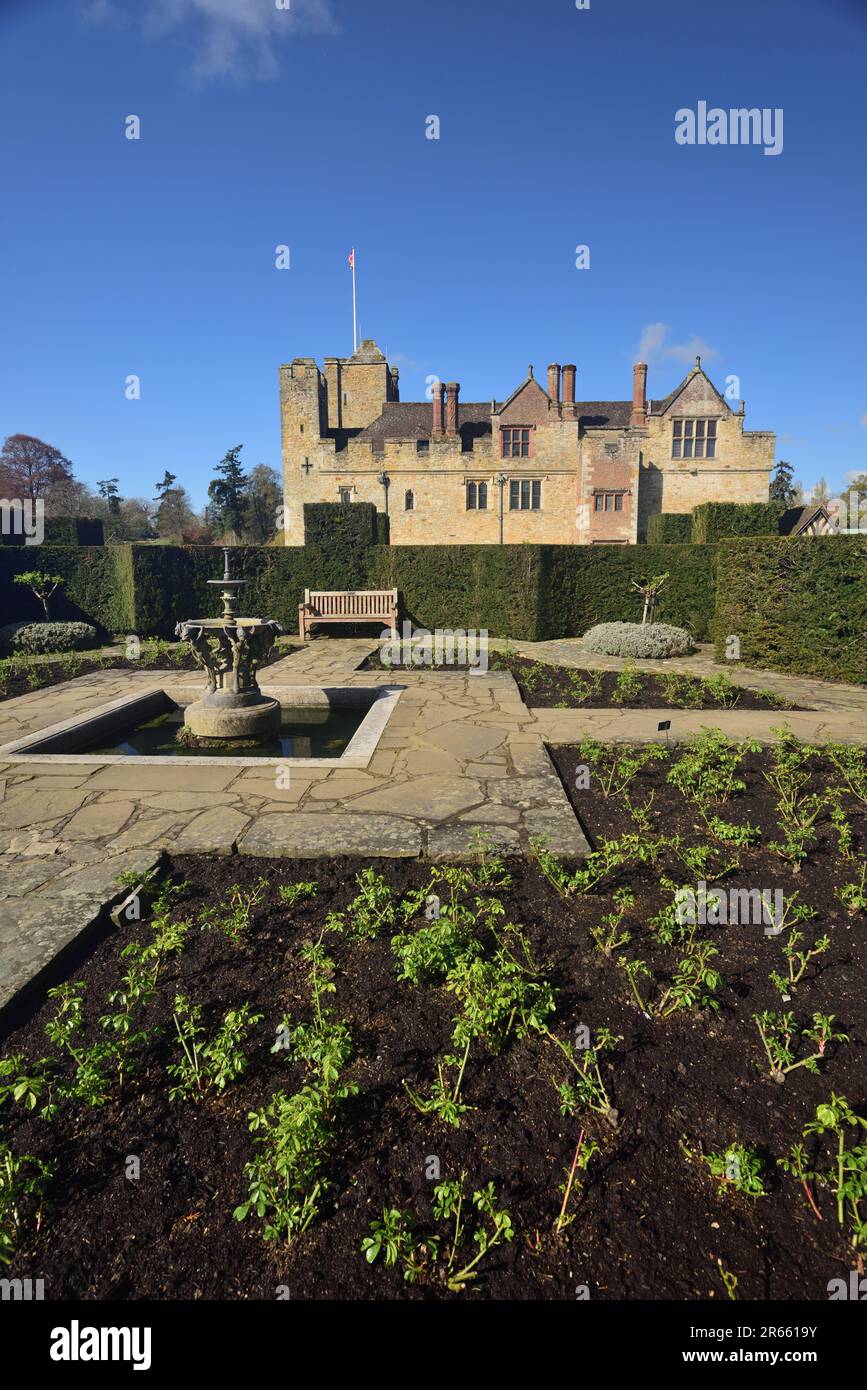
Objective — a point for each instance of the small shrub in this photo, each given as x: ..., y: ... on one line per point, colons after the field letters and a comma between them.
x: 34, y: 639
x: 650, y: 640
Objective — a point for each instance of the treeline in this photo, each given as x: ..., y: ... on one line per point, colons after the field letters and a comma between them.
x: 242, y: 507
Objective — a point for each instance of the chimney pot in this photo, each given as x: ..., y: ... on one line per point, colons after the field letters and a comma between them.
x: 437, y: 424
x: 452, y: 393
x: 638, y: 418
x: 569, y: 391
x: 554, y: 383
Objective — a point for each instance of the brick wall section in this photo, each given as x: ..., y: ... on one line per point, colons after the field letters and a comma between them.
x: 572, y: 461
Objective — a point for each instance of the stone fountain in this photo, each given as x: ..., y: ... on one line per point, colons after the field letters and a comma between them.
x: 230, y: 649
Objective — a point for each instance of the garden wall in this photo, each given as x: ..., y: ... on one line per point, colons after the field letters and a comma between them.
x: 796, y: 605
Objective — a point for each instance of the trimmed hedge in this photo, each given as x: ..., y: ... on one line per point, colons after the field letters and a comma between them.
x: 538, y: 592
x: 97, y: 585
x: 66, y: 530
x: 587, y: 584
x: 796, y: 605
x: 34, y: 639
x: 711, y: 521
x: 669, y: 528
x: 463, y: 586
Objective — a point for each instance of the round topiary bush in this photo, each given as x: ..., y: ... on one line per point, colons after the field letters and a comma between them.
x: 34, y: 639
x: 650, y: 640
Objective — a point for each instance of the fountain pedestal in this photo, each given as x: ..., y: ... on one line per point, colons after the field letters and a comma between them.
x: 229, y: 649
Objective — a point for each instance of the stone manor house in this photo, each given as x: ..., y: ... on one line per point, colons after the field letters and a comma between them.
x: 538, y: 466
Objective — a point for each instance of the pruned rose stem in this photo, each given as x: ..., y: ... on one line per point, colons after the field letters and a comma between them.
x: 571, y: 1180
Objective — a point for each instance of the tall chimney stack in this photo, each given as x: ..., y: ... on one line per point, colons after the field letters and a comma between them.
x: 638, y: 418
x: 569, y: 411
x: 554, y: 384
x: 437, y: 425
x: 452, y: 391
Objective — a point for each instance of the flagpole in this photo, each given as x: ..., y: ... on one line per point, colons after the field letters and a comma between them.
x: 354, y: 308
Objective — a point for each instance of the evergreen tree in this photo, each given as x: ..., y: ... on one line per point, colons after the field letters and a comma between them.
x: 228, y: 492
x: 110, y: 495
x: 783, y: 487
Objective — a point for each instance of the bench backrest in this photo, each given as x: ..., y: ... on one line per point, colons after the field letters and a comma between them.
x: 351, y: 603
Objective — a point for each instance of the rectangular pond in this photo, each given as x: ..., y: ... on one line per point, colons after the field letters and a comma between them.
x: 321, y: 726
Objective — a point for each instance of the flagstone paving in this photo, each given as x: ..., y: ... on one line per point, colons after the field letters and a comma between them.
x: 461, y: 754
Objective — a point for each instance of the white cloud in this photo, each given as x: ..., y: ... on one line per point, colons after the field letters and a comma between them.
x: 654, y: 347
x: 864, y: 421
x: 226, y: 38
x: 409, y: 364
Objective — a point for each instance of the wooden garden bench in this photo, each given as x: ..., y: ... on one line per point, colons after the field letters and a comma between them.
x: 347, y: 606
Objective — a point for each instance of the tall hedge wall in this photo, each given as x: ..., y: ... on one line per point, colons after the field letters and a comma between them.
x: 711, y: 521
x: 796, y: 605
x: 171, y: 582
x: 98, y: 584
x: 587, y: 584
x: 463, y: 586
x: 539, y: 592
x: 669, y: 528
x: 66, y: 530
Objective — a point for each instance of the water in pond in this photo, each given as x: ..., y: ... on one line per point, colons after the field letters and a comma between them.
x: 318, y: 732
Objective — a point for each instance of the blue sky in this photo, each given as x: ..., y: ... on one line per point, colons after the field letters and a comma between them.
x: 306, y: 127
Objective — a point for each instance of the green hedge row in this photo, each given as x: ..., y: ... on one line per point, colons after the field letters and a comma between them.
x: 796, y: 605
x: 588, y: 584
x: 529, y: 592
x: 541, y: 592
x: 711, y: 521
x: 464, y: 586
x: 669, y: 528
x: 66, y: 530
x: 98, y: 584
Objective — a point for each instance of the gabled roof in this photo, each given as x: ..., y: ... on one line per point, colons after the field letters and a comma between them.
x: 794, y: 520
x: 529, y: 380
x: 660, y: 407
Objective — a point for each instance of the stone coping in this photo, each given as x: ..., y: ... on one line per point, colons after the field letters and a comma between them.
x: 110, y: 717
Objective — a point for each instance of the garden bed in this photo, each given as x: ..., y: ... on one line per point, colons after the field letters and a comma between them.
x: 545, y: 686
x: 19, y: 675
x: 682, y: 1195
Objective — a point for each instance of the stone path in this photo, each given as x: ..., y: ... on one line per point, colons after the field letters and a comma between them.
x: 460, y: 756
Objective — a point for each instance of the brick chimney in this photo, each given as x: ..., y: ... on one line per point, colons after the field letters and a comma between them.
x: 554, y: 383
x: 638, y: 418
x: 452, y: 392
x: 437, y: 425
x: 569, y: 410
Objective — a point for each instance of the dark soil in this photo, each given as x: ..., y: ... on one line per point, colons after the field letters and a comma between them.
x: 651, y: 1222
x: 543, y: 686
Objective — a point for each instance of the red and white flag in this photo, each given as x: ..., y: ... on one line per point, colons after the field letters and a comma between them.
x: 352, y: 259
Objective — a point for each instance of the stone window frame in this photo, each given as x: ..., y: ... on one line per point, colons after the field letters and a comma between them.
x: 533, y: 490
x: 605, y: 495
x: 694, y: 437
x: 510, y: 431
x: 477, y: 490
x: 409, y: 500
x: 344, y: 495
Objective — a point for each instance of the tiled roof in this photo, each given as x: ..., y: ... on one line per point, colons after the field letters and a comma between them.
x: 413, y: 420
x: 609, y: 415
